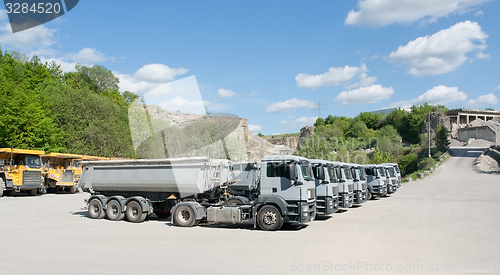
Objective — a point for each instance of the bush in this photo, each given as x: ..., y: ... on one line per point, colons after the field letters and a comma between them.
x: 426, y: 164
x: 408, y: 163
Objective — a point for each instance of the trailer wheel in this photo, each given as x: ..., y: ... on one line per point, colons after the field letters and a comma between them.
x: 269, y: 218
x: 134, y: 212
x: 184, y: 216
x: 114, y: 211
x: 95, y: 209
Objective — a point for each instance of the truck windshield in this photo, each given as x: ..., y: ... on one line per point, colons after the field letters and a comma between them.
x: 33, y: 162
x: 347, y: 172
x: 381, y: 171
x: 362, y: 173
x: 306, y: 171
x: 332, y: 174
x: 392, y: 174
x: 397, y: 169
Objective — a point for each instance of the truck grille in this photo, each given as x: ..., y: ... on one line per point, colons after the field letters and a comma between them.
x: 335, y: 190
x: 32, y: 178
x: 311, y: 193
x: 68, y: 176
x: 363, y: 186
x: 351, y: 188
x: 394, y: 182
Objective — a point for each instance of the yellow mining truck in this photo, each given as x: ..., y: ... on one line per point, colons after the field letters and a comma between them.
x: 62, y: 171
x: 20, y: 170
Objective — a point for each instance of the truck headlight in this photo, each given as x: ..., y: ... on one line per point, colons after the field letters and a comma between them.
x: 305, y: 208
x: 330, y: 202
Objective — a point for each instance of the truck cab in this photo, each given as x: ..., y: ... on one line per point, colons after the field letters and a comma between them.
x: 377, y: 184
x: 20, y: 170
x: 346, y: 186
x: 288, y: 181
x: 327, y: 201
x: 398, y: 172
x: 62, y: 171
x: 360, y: 185
x: 392, y: 179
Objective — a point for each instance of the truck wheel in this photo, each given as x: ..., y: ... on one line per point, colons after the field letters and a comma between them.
x: 269, y: 218
x: 184, y: 216
x: 32, y: 192
x: 233, y: 201
x: 43, y: 189
x: 2, y: 187
x: 114, y: 211
x: 95, y: 209
x: 72, y: 190
x: 134, y: 212
x: 368, y: 195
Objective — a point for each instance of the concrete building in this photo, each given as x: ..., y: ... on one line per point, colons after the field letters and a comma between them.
x: 478, y: 128
x: 461, y: 118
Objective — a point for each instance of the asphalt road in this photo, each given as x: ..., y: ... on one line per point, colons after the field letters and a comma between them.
x: 448, y: 221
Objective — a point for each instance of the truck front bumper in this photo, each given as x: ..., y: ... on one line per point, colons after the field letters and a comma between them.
x: 326, y: 205
x: 379, y: 190
x: 360, y: 197
x: 346, y: 200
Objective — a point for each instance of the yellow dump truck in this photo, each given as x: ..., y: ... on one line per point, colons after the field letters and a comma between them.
x: 62, y: 171
x: 20, y: 171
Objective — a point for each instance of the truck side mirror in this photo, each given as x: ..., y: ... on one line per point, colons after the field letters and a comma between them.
x: 291, y: 172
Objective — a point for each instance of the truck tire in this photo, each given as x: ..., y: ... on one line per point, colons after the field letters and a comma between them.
x: 114, y: 211
x: 134, y: 212
x: 269, y: 218
x: 233, y: 201
x: 32, y: 192
x: 43, y: 189
x: 72, y: 190
x: 96, y: 210
x: 184, y: 216
x: 368, y: 195
x: 2, y: 187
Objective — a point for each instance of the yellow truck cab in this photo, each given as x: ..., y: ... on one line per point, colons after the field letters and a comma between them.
x: 20, y: 170
x: 61, y: 171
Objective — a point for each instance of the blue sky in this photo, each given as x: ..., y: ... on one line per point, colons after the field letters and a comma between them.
x: 272, y: 61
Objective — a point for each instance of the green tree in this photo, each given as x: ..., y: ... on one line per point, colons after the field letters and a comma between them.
x: 102, y: 77
x: 319, y: 122
x: 442, y: 138
x: 372, y: 121
x: 381, y: 157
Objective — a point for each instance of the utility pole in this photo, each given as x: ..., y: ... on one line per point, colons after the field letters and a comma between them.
x: 429, y: 132
x: 318, y: 108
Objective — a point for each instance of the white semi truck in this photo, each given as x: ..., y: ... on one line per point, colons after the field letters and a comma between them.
x: 278, y: 190
x: 346, y: 186
x: 360, y: 184
x: 377, y: 183
x: 327, y: 190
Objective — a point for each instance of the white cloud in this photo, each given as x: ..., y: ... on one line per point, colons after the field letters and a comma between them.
x: 290, y: 104
x: 158, y: 73
x: 363, y: 95
x: 254, y: 93
x: 484, y: 100
x: 254, y: 128
x: 65, y: 66
x: 28, y: 40
x: 437, y: 95
x: 147, y: 78
x: 225, y: 93
x: 373, y: 13
x: 87, y: 56
x: 334, y: 77
x: 498, y: 87
x: 479, y: 13
x: 299, y: 122
x: 364, y: 81
x: 441, y: 52
x: 481, y: 55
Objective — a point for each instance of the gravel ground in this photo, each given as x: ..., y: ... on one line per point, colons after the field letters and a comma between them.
x: 447, y: 221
